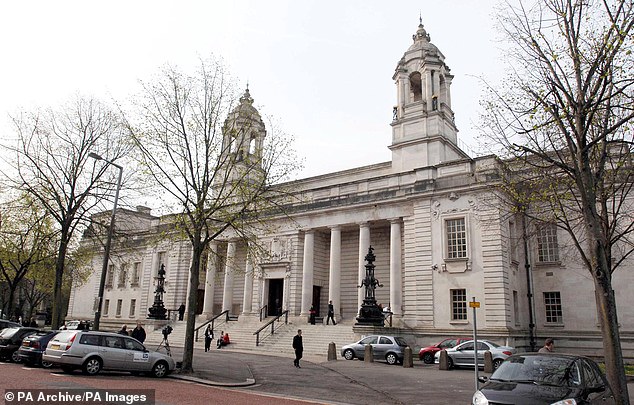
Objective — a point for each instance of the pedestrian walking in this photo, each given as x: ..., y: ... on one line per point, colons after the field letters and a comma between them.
x: 209, y: 336
x: 331, y: 313
x: 138, y: 332
x: 298, y: 345
x: 181, y: 312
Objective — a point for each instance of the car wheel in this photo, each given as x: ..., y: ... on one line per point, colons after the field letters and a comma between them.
x: 92, y: 366
x: 160, y: 369
x: 391, y: 359
x: 428, y: 358
x: 46, y: 364
x: 67, y: 369
x: 496, y: 363
x: 348, y: 354
x: 15, y: 357
x: 449, y: 363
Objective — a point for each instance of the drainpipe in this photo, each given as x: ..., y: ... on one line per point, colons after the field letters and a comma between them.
x: 529, y: 287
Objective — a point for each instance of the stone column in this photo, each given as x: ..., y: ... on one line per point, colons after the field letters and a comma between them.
x: 334, y: 283
x: 307, y: 274
x: 364, y: 245
x: 247, y: 301
x: 210, y: 280
x: 227, y: 295
x: 396, y: 289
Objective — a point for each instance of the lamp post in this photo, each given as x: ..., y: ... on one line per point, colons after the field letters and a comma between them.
x: 106, y: 253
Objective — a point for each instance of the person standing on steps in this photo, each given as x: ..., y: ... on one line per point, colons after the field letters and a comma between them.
x: 312, y: 315
x: 181, y: 312
x: 138, y: 333
x: 209, y: 336
x: 298, y: 345
x: 331, y: 313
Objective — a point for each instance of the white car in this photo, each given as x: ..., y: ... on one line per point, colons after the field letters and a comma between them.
x: 95, y: 351
x: 462, y: 354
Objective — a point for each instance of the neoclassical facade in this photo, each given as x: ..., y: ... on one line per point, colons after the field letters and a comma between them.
x: 440, y: 236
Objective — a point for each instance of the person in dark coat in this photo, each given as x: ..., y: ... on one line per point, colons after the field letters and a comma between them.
x: 181, y: 312
x: 209, y: 336
x: 331, y: 313
x: 138, y: 333
x: 123, y: 330
x: 298, y: 345
x: 312, y: 313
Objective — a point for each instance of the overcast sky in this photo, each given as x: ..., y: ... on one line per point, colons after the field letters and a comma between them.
x: 321, y: 68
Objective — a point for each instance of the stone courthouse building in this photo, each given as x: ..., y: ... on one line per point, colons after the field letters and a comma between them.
x: 430, y: 215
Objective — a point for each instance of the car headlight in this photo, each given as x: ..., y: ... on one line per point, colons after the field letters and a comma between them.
x: 569, y: 401
x: 479, y: 399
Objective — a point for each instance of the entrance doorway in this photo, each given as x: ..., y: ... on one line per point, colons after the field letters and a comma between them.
x: 316, y: 299
x: 276, y: 294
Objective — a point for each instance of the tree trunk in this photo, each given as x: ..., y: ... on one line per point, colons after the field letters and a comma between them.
x: 192, y: 302
x: 59, y: 274
x: 614, y: 367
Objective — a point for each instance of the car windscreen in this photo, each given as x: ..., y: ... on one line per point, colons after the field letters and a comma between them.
x: 8, y: 332
x: 543, y: 370
x: 400, y: 341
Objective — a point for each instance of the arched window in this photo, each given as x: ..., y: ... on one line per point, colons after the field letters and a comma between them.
x: 252, y: 146
x: 415, y: 86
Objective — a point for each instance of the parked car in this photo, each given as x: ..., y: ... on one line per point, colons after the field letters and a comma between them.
x: 8, y: 324
x: 390, y: 348
x: 77, y: 325
x: 462, y: 355
x: 534, y: 378
x: 33, y: 346
x: 426, y: 354
x: 10, y: 341
x: 95, y: 351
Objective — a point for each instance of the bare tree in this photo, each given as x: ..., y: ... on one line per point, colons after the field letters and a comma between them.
x: 563, y: 120
x: 27, y: 240
x: 51, y: 163
x: 219, y: 174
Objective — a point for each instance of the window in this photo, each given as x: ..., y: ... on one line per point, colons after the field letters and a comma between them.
x: 385, y: 341
x: 136, y: 274
x: 552, y: 302
x: 119, y: 305
x: 516, y: 309
x: 90, y: 340
x: 123, y: 275
x: 459, y: 305
x: 370, y: 340
x: 456, y: 238
x: 106, y: 305
x: 132, y: 344
x: 132, y: 308
x: 513, y: 241
x: 415, y: 84
x: 547, y: 246
x: 110, y: 276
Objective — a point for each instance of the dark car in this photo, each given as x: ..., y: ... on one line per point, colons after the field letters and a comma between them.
x: 426, y: 354
x: 33, y: 346
x: 10, y: 341
x: 8, y: 324
x: 534, y: 378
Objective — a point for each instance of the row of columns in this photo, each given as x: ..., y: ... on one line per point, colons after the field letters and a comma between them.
x: 334, y: 284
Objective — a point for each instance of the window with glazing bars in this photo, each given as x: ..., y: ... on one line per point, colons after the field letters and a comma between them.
x: 547, y: 245
x: 459, y: 305
x: 456, y: 238
x: 552, y: 303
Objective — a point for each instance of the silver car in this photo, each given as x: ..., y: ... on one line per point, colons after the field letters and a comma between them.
x: 95, y: 351
x: 462, y: 355
x: 390, y: 348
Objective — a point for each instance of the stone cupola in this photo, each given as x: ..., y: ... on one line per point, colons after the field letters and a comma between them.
x: 423, y: 128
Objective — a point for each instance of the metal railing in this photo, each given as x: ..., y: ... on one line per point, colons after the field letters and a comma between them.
x: 270, y: 323
x: 263, y: 311
x: 212, y: 320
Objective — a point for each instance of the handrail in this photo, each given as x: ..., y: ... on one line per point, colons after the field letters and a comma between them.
x: 265, y: 310
x: 387, y: 315
x: 272, y: 323
x: 225, y: 313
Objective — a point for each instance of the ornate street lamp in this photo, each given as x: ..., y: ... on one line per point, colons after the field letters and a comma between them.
x: 370, y: 314
x: 157, y: 310
x: 106, y: 253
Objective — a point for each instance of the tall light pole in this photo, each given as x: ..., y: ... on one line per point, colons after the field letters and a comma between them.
x: 106, y: 253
